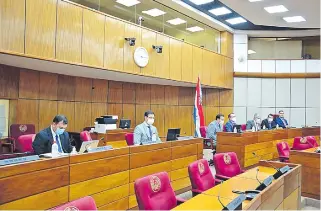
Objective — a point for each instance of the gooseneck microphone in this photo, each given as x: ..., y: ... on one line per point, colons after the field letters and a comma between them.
x: 258, y: 156
x: 219, y: 195
x: 256, y: 176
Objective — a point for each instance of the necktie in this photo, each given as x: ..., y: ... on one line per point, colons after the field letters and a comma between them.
x: 58, y: 143
x: 150, y: 132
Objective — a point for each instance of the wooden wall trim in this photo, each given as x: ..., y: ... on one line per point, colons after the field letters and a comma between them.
x: 276, y: 75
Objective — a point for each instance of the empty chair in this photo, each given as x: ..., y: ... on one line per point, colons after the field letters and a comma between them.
x: 85, y: 136
x: 154, y: 192
x: 85, y: 203
x: 129, y: 137
x: 226, y: 165
x: 302, y: 143
x: 284, y: 151
x: 17, y: 130
x: 201, y: 176
x: 24, y: 143
x: 243, y: 127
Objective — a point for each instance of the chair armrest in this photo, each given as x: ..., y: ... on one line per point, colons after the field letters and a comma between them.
x: 180, y: 200
x: 284, y: 157
x: 217, y: 181
x: 221, y: 177
x: 242, y: 170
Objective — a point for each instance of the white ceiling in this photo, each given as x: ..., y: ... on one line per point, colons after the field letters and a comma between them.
x: 254, y: 12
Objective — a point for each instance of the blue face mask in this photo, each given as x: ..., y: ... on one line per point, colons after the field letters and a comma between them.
x: 60, y: 131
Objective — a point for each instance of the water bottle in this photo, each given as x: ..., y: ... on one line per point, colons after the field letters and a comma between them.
x: 73, y: 152
x: 54, y: 150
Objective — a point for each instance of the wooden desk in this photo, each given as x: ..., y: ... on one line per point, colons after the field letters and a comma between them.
x: 263, y: 143
x: 310, y: 162
x: 115, y: 138
x: 106, y: 176
x: 283, y: 194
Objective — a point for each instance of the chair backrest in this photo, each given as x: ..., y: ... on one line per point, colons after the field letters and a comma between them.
x: 243, y: 127
x: 24, y: 143
x: 17, y: 130
x: 200, y: 175
x: 227, y: 164
x: 85, y: 136
x: 302, y: 143
x: 154, y: 192
x: 203, y: 131
x: 224, y: 128
x: 85, y: 203
x: 275, y: 116
x: 283, y: 149
x: 129, y: 137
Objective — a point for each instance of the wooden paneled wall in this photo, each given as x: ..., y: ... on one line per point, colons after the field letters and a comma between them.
x: 67, y: 32
x: 36, y: 97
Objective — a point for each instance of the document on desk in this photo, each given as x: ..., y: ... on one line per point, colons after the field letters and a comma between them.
x: 49, y: 155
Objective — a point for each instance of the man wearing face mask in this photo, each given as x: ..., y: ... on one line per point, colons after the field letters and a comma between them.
x: 255, y: 123
x: 281, y: 121
x: 146, y: 133
x: 214, y: 127
x: 268, y: 123
x: 55, y: 133
x: 232, y: 121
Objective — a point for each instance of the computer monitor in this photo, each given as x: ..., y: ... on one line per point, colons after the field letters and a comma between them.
x: 238, y: 128
x: 124, y: 123
x: 172, y: 134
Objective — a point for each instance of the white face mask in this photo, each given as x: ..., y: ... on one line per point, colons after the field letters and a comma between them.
x: 233, y: 119
x: 270, y: 119
x: 150, y: 121
x: 258, y: 121
x: 221, y: 122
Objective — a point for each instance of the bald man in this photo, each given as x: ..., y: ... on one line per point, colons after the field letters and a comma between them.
x: 255, y: 123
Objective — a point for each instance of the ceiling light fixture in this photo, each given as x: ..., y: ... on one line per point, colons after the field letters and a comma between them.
x: 234, y: 21
x: 254, y: 0
x: 128, y: 3
x: 154, y: 12
x: 276, y: 9
x: 200, y: 2
x: 250, y: 52
x: 176, y: 21
x: 194, y: 29
x: 294, y: 19
x: 220, y: 11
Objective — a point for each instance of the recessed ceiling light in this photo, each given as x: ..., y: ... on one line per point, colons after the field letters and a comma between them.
x: 236, y: 20
x: 199, y: 2
x: 294, y: 19
x: 250, y: 52
x: 276, y: 9
x: 254, y: 0
x: 220, y: 11
x: 176, y: 21
x: 195, y: 29
x: 128, y: 3
x: 154, y: 12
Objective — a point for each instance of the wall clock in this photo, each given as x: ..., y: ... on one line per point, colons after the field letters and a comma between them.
x: 141, y: 57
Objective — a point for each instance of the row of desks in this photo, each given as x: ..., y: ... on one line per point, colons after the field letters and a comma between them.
x: 106, y: 176
x: 283, y: 194
x: 263, y: 143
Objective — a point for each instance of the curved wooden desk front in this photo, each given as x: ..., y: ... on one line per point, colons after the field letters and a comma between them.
x: 106, y: 176
x: 283, y: 194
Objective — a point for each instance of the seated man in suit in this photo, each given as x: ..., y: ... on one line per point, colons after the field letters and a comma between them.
x: 54, y: 133
x: 255, y: 123
x: 230, y: 124
x: 281, y: 121
x: 146, y: 133
x: 268, y: 123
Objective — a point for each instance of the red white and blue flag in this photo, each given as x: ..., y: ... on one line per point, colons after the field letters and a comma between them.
x: 198, y: 109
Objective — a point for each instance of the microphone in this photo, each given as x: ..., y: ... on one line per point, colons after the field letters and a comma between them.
x: 253, y: 153
x: 257, y: 172
x: 219, y: 195
x: 235, y: 204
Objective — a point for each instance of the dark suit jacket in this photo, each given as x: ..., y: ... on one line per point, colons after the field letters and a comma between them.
x: 44, y: 140
x: 267, y: 126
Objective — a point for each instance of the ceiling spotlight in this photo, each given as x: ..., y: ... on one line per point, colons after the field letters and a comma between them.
x: 220, y: 11
x: 250, y: 52
x: 128, y: 3
x: 276, y: 9
x: 194, y: 29
x: 176, y: 21
x: 154, y: 12
x: 234, y: 21
x: 294, y: 19
x: 254, y: 0
x: 200, y: 2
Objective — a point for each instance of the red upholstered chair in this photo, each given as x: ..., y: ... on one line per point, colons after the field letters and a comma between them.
x: 201, y: 176
x: 226, y: 165
x: 243, y: 127
x: 24, y: 143
x: 302, y: 143
x: 284, y: 151
x: 17, y: 130
x: 203, y: 131
x: 129, y: 137
x: 85, y: 136
x: 85, y: 203
x: 154, y: 192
